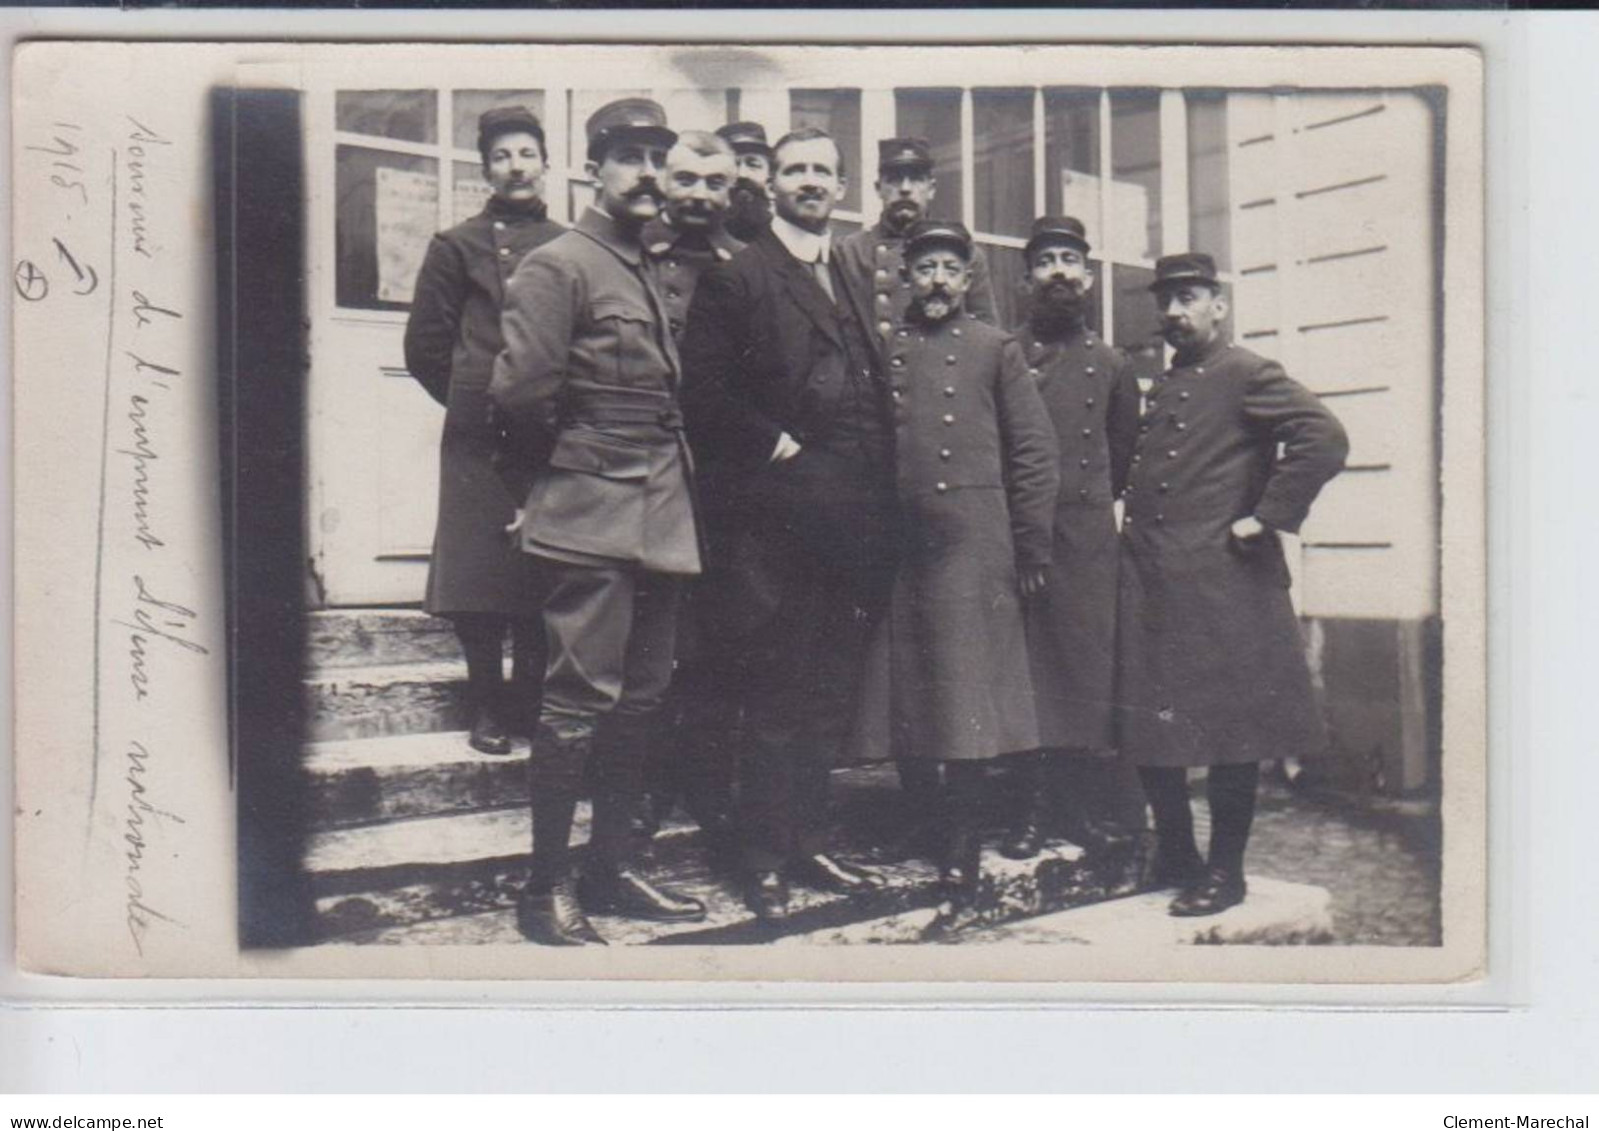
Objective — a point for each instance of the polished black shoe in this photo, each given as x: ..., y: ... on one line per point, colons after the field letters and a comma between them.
x: 629, y: 894
x: 766, y: 894
x: 489, y: 735
x: 823, y: 872
x: 1023, y: 842
x: 1219, y: 890
x: 553, y: 918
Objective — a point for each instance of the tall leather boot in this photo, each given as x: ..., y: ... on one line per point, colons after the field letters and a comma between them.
x: 961, y: 862
x: 1026, y: 836
x: 548, y: 912
x: 1177, y: 860
x: 610, y: 883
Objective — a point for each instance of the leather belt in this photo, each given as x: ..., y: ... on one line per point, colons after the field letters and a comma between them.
x: 663, y: 415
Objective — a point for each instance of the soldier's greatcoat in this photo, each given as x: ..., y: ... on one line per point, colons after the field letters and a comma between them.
x: 1211, y: 663
x: 451, y: 341
x: 1092, y: 399
x: 976, y: 476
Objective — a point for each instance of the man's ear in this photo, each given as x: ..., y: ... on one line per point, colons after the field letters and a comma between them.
x: 1089, y: 277
x: 591, y: 169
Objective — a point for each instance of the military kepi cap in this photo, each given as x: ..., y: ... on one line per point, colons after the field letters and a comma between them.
x: 941, y: 233
x: 1068, y: 230
x: 904, y: 153
x: 1186, y: 267
x: 629, y: 119
x: 745, y: 137
x: 505, y: 120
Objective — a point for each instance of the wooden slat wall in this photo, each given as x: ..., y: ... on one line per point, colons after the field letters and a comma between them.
x: 1332, y: 259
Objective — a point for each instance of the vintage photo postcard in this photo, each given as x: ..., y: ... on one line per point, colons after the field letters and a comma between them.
x: 724, y: 513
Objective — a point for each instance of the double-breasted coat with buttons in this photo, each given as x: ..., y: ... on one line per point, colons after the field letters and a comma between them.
x: 976, y: 477
x: 1211, y: 662
x: 874, y: 256
x: 1092, y: 399
x: 451, y: 341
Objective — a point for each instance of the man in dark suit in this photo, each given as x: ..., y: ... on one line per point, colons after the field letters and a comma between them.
x: 786, y: 405
x: 1210, y: 665
x: 587, y: 386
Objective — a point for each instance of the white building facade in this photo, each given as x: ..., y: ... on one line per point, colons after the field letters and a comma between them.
x: 1323, y: 210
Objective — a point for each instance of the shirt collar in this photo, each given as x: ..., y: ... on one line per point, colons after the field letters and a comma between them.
x: 805, y: 246
x: 603, y: 228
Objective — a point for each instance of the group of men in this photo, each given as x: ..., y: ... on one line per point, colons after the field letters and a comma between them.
x: 752, y: 500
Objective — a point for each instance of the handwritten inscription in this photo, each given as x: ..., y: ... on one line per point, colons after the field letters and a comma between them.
x: 156, y: 626
x: 154, y: 622
x: 62, y: 162
x: 143, y: 143
x: 140, y: 812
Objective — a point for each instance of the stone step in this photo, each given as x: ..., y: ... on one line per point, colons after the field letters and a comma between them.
x: 470, y: 907
x: 361, y: 638
x: 386, y: 699
x: 1275, y: 913
x: 363, y: 781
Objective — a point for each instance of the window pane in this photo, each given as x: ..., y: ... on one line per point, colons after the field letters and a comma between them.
x: 839, y: 113
x: 1071, y: 156
x: 1208, y: 203
x: 387, y: 211
x: 1002, y: 134
x: 404, y: 115
x: 1137, y: 328
x: 934, y: 114
x: 468, y: 105
x: 469, y: 191
x: 1135, y: 170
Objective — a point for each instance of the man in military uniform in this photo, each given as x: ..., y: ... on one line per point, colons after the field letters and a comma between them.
x: 749, y: 206
x: 475, y: 577
x: 1211, y: 666
x: 876, y: 255
x: 683, y: 242
x: 1092, y: 400
x: 976, y: 479
x: 587, y: 387
x: 786, y: 406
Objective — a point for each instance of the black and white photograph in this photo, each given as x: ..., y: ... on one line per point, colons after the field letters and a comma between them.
x: 877, y: 513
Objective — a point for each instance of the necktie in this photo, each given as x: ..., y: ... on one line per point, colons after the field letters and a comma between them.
x: 824, y: 278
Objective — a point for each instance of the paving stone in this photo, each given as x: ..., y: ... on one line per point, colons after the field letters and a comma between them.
x: 1275, y: 912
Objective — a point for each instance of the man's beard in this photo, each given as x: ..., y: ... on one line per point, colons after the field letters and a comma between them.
x: 1059, y: 306
x: 748, y: 211
x: 936, y: 306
